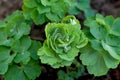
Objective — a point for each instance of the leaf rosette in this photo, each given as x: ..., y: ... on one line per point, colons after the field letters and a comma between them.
x: 18, y: 53
x: 63, y: 42
x: 103, y: 50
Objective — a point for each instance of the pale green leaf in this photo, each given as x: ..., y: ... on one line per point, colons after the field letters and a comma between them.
x: 89, y: 56
x: 99, y: 68
x: 111, y: 51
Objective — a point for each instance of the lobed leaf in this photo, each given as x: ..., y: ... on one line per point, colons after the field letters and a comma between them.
x: 103, y: 50
x: 27, y: 72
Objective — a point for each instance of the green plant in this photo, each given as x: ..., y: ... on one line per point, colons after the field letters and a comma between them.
x: 103, y: 50
x: 79, y: 6
x: 18, y: 53
x: 41, y: 11
x: 63, y: 42
x: 98, y: 45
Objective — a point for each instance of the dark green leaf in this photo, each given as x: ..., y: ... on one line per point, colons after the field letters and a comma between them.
x: 34, y: 48
x: 23, y: 57
x: 32, y: 70
x: 21, y: 45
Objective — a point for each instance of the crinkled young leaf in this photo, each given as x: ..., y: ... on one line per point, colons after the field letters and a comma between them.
x: 25, y: 72
x: 61, y: 46
x: 47, y: 57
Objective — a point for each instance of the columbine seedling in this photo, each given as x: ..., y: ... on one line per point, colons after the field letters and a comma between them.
x: 103, y: 50
x: 63, y: 42
x: 18, y: 53
x: 98, y: 45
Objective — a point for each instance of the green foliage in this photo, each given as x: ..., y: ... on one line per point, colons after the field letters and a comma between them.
x: 41, y: 11
x: 99, y: 44
x: 63, y: 42
x: 72, y: 73
x: 5, y: 59
x: 103, y: 50
x: 17, y: 55
x: 79, y: 6
x: 27, y: 72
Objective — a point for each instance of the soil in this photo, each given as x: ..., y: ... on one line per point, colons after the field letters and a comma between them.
x: 105, y: 7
